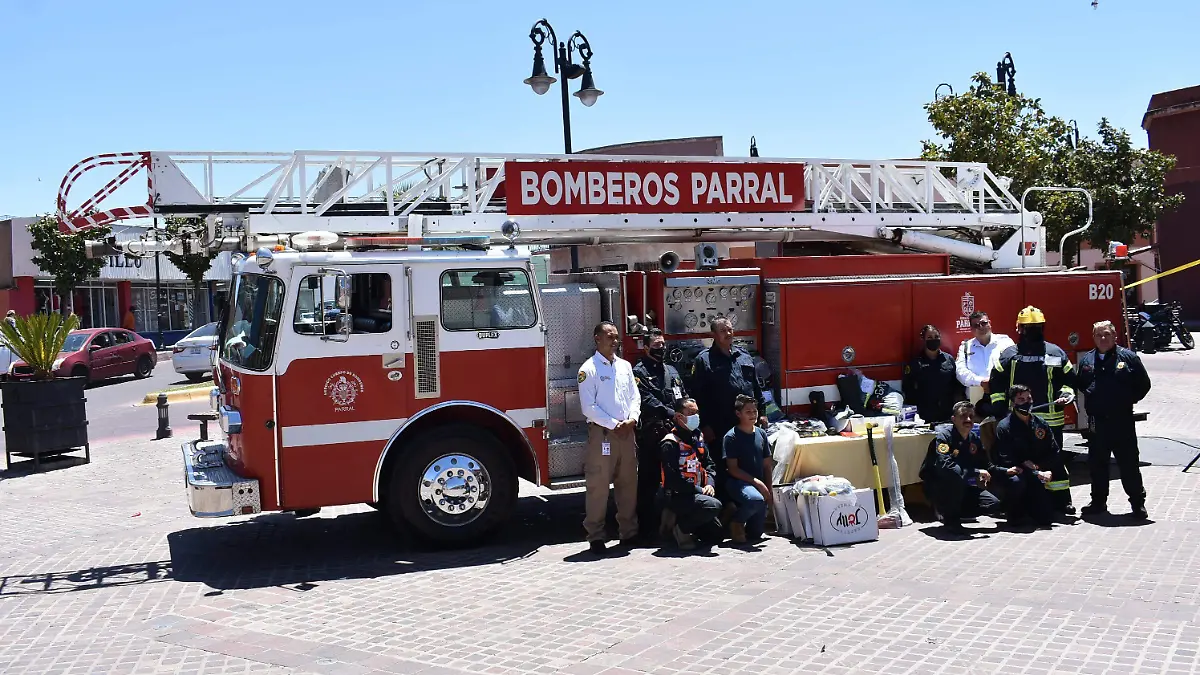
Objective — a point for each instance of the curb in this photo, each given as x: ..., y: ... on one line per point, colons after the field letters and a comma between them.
x: 177, y: 395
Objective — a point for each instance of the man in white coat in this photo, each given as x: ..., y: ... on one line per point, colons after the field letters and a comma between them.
x: 977, y: 356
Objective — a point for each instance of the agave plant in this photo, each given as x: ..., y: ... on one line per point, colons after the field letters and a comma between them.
x: 37, y: 339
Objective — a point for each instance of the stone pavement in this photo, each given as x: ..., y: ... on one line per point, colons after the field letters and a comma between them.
x: 102, y: 570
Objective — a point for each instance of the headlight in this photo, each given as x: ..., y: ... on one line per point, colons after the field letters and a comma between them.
x: 57, y: 363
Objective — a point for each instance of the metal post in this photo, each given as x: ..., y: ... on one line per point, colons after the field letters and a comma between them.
x: 1062, y: 242
x: 164, y: 418
x: 158, y: 299
x: 561, y: 56
x: 566, y: 101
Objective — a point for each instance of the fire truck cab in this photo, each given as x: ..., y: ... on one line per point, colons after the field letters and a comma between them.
x: 347, y: 376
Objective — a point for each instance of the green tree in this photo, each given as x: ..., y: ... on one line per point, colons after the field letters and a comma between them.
x: 64, y: 257
x: 194, y: 262
x: 1127, y: 185
x: 1017, y: 138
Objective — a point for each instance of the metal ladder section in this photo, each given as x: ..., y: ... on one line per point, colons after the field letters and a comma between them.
x: 367, y: 192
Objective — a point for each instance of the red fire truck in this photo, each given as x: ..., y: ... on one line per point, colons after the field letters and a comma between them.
x: 387, y: 341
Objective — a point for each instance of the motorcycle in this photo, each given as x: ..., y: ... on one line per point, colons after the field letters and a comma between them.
x: 1153, y: 325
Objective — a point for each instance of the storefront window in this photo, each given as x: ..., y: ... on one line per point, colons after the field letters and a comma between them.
x: 177, y: 310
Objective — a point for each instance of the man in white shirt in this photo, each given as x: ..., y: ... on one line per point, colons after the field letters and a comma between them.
x: 977, y: 355
x: 609, y: 398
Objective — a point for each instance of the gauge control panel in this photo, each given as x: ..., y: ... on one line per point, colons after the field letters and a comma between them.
x: 693, y: 303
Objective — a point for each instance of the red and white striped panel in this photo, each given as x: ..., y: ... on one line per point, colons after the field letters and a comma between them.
x: 80, y: 218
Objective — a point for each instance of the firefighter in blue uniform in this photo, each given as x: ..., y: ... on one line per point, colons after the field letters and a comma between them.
x: 931, y: 381
x: 1027, y: 444
x: 660, y: 387
x: 690, y: 476
x: 719, y: 374
x: 957, y: 471
x: 1112, y: 379
x: 1044, y: 368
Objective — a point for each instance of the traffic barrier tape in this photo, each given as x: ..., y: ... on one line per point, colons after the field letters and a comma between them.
x: 185, y: 394
x: 1173, y: 270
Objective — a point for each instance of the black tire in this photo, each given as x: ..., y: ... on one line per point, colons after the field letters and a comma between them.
x: 496, y: 474
x: 80, y: 371
x: 196, y: 377
x: 1185, y: 336
x: 143, y: 368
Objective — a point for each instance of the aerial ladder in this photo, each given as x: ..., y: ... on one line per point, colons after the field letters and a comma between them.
x: 247, y: 200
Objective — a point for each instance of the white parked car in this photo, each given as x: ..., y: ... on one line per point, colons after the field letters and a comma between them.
x: 193, y: 355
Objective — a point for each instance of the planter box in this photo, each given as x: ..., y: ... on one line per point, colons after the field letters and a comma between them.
x: 45, y: 419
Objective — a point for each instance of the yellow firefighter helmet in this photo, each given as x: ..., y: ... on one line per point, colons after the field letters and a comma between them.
x: 1029, y: 315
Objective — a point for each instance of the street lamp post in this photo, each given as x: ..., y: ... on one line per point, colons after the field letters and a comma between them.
x: 1007, y: 70
x: 939, y: 88
x: 1073, y: 134
x: 564, y: 64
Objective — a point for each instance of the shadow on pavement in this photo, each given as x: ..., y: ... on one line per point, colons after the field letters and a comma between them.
x: 1116, y: 520
x: 279, y: 549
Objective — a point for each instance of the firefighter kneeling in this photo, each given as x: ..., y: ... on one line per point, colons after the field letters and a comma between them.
x: 957, y: 469
x: 689, y: 476
x: 1026, y: 443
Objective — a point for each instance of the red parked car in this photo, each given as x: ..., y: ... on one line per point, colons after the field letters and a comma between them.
x: 98, y: 354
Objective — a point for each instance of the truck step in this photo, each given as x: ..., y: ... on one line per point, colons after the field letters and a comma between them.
x: 567, y: 482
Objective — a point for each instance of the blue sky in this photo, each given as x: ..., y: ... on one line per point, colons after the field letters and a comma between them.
x: 809, y: 79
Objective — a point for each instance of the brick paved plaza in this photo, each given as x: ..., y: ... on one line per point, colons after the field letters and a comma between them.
x: 102, y: 570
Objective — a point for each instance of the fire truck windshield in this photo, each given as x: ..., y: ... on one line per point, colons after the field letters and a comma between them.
x: 253, y: 323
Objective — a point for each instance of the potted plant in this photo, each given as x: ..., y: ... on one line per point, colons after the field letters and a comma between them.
x: 44, y: 415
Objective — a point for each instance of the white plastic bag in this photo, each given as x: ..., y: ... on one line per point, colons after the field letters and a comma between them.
x: 825, y: 485
x: 784, y: 443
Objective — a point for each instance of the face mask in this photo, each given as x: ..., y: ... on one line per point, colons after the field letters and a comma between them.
x: 932, y: 344
x: 693, y: 422
x: 658, y: 352
x: 1024, y: 408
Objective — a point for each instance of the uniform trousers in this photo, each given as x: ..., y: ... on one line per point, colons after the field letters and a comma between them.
x: 694, y: 511
x: 618, y: 468
x: 649, y: 475
x: 955, y: 499
x: 1115, y: 436
x: 1026, y: 496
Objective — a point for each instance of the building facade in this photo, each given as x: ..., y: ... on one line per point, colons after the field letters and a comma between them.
x: 1172, y: 124
x: 123, y: 285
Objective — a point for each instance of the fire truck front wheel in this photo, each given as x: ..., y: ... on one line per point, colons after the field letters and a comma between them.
x: 453, y: 486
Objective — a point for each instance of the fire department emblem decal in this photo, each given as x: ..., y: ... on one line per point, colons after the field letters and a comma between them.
x: 968, y: 308
x: 343, y: 388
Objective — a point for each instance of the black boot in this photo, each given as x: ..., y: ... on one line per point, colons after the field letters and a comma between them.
x: 1139, y: 512
x: 1094, y: 508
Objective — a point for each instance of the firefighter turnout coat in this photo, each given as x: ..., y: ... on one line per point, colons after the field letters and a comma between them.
x: 1048, y: 375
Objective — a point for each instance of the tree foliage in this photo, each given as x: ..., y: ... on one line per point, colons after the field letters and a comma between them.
x: 1127, y: 185
x: 63, y: 256
x: 1017, y: 138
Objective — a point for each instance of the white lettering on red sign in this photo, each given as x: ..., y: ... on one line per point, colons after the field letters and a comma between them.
x: 549, y: 188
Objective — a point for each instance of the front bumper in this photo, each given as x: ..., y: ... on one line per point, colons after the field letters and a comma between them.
x: 213, y: 489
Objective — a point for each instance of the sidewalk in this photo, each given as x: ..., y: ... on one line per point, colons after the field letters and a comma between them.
x: 104, y: 570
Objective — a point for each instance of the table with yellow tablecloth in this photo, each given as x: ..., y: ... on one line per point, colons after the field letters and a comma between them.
x: 850, y: 458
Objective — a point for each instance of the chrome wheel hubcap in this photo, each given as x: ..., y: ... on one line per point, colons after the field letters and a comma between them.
x: 454, y: 489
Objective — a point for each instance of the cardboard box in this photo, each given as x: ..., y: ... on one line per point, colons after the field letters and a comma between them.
x: 783, y: 525
x: 835, y: 522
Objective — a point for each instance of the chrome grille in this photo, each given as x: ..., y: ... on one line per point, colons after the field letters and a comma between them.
x: 425, y: 329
